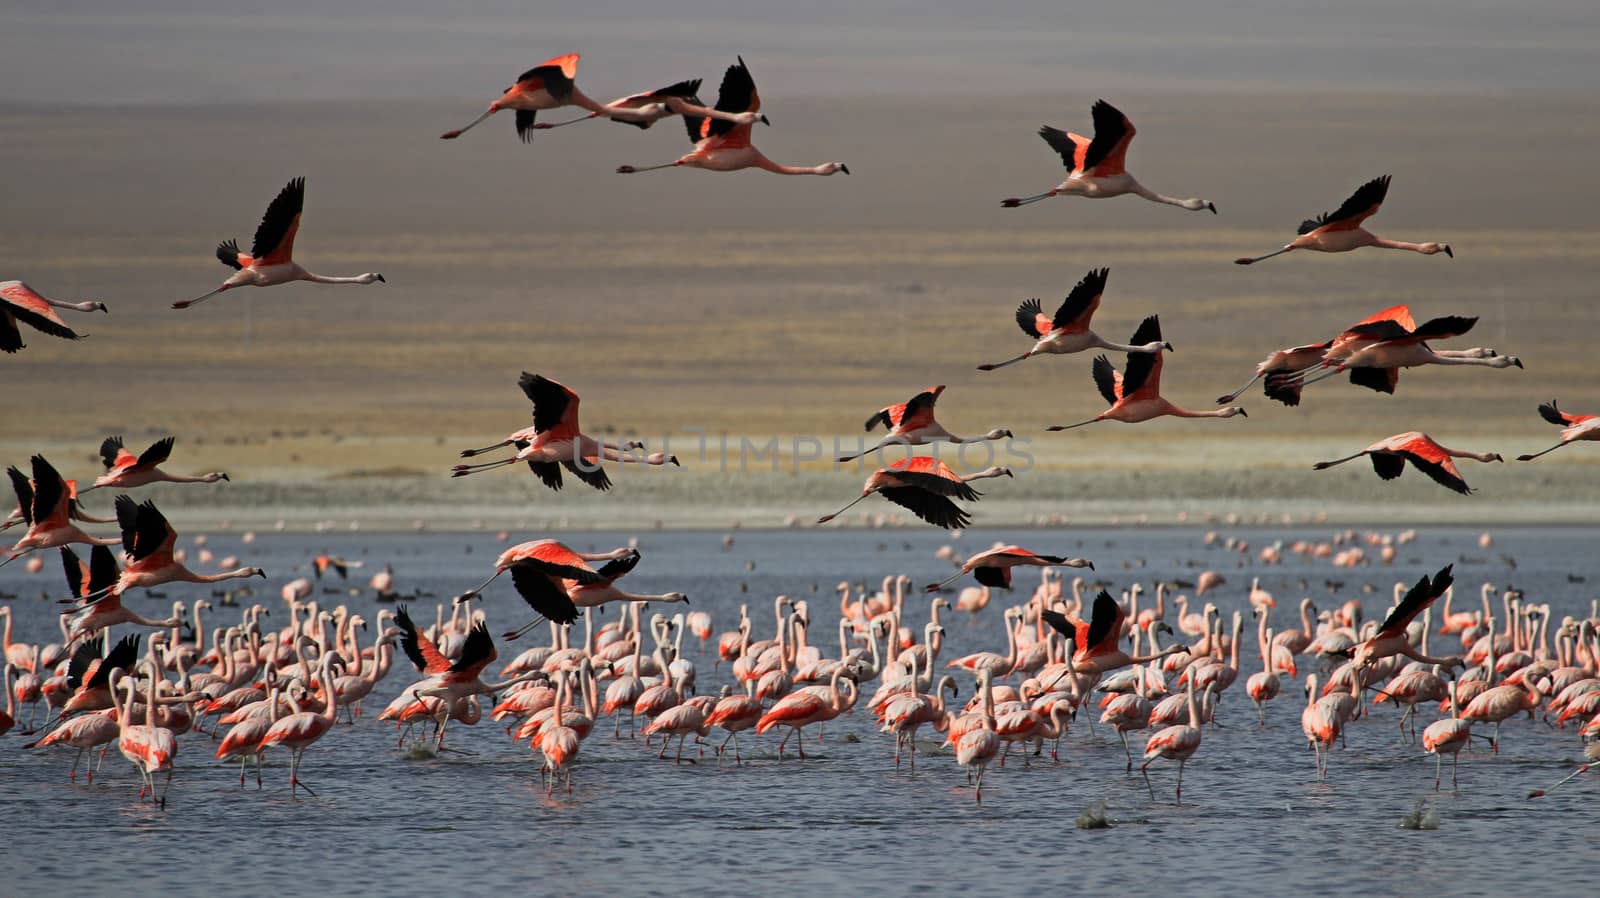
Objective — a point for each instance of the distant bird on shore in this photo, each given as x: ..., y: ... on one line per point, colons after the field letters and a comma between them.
x: 912, y: 424
x: 1389, y: 459
x: 1068, y: 330
x: 548, y: 85
x: 1096, y: 168
x: 124, y: 470
x: 1135, y: 394
x: 722, y: 145
x: 926, y: 487
x: 1340, y: 231
x: 21, y: 303
x: 645, y: 109
x: 1577, y: 428
x: 557, y: 441
x: 269, y: 262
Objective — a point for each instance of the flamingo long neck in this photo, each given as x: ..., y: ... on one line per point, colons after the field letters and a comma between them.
x: 1233, y: 650
x: 762, y: 162
x: 1180, y: 412
x: 1154, y: 197
x: 329, y: 279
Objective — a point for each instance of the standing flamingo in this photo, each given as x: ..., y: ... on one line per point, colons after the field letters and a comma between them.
x: 1340, y: 231
x: 724, y: 145
x: 992, y: 567
x: 269, y: 262
x: 548, y: 85
x: 300, y: 730
x: 559, y: 742
x: 1175, y: 743
x: 978, y: 746
x: 911, y: 423
x: 557, y: 441
x: 21, y: 303
x: 926, y: 487
x: 124, y: 470
x: 46, y: 504
x: 1096, y: 168
x: 1135, y: 394
x: 1447, y: 736
x: 804, y: 707
x: 1576, y: 428
x: 1068, y: 330
x: 1389, y: 459
x: 149, y: 747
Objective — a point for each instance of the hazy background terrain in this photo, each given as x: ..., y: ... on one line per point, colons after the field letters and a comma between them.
x: 754, y: 305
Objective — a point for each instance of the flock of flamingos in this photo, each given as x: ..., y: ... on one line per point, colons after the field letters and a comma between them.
x: 257, y: 687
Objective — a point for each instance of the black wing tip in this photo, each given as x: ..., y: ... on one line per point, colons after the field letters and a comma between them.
x: 1551, y: 412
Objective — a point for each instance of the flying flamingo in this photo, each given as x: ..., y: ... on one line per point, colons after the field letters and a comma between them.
x: 300, y: 730
x: 1135, y: 394
x: 557, y: 441
x: 1097, y: 168
x: 1576, y: 428
x: 1096, y: 646
x: 124, y: 470
x: 992, y: 567
x: 1280, y: 363
x: 556, y: 590
x: 46, y: 504
x: 149, y: 540
x: 451, y: 681
x: 21, y: 303
x: 723, y: 145
x: 926, y: 487
x: 92, y: 673
x: 1376, y: 364
x: 1068, y: 331
x: 1175, y: 743
x: 1340, y: 231
x: 1389, y: 459
x: 1392, y: 639
x: 548, y: 85
x: 269, y: 262
x: 645, y: 109
x: 912, y: 424
x: 555, y: 558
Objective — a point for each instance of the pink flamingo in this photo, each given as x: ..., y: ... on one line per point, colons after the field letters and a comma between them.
x: 724, y: 145
x: 1068, y: 330
x: 1576, y: 428
x: 269, y: 262
x: 1097, y: 168
x: 124, y: 470
x: 1174, y: 743
x: 1135, y: 394
x: 1340, y: 231
x: 21, y: 303
x: 1426, y: 454
x: 548, y: 85
x: 926, y: 487
x: 912, y: 423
